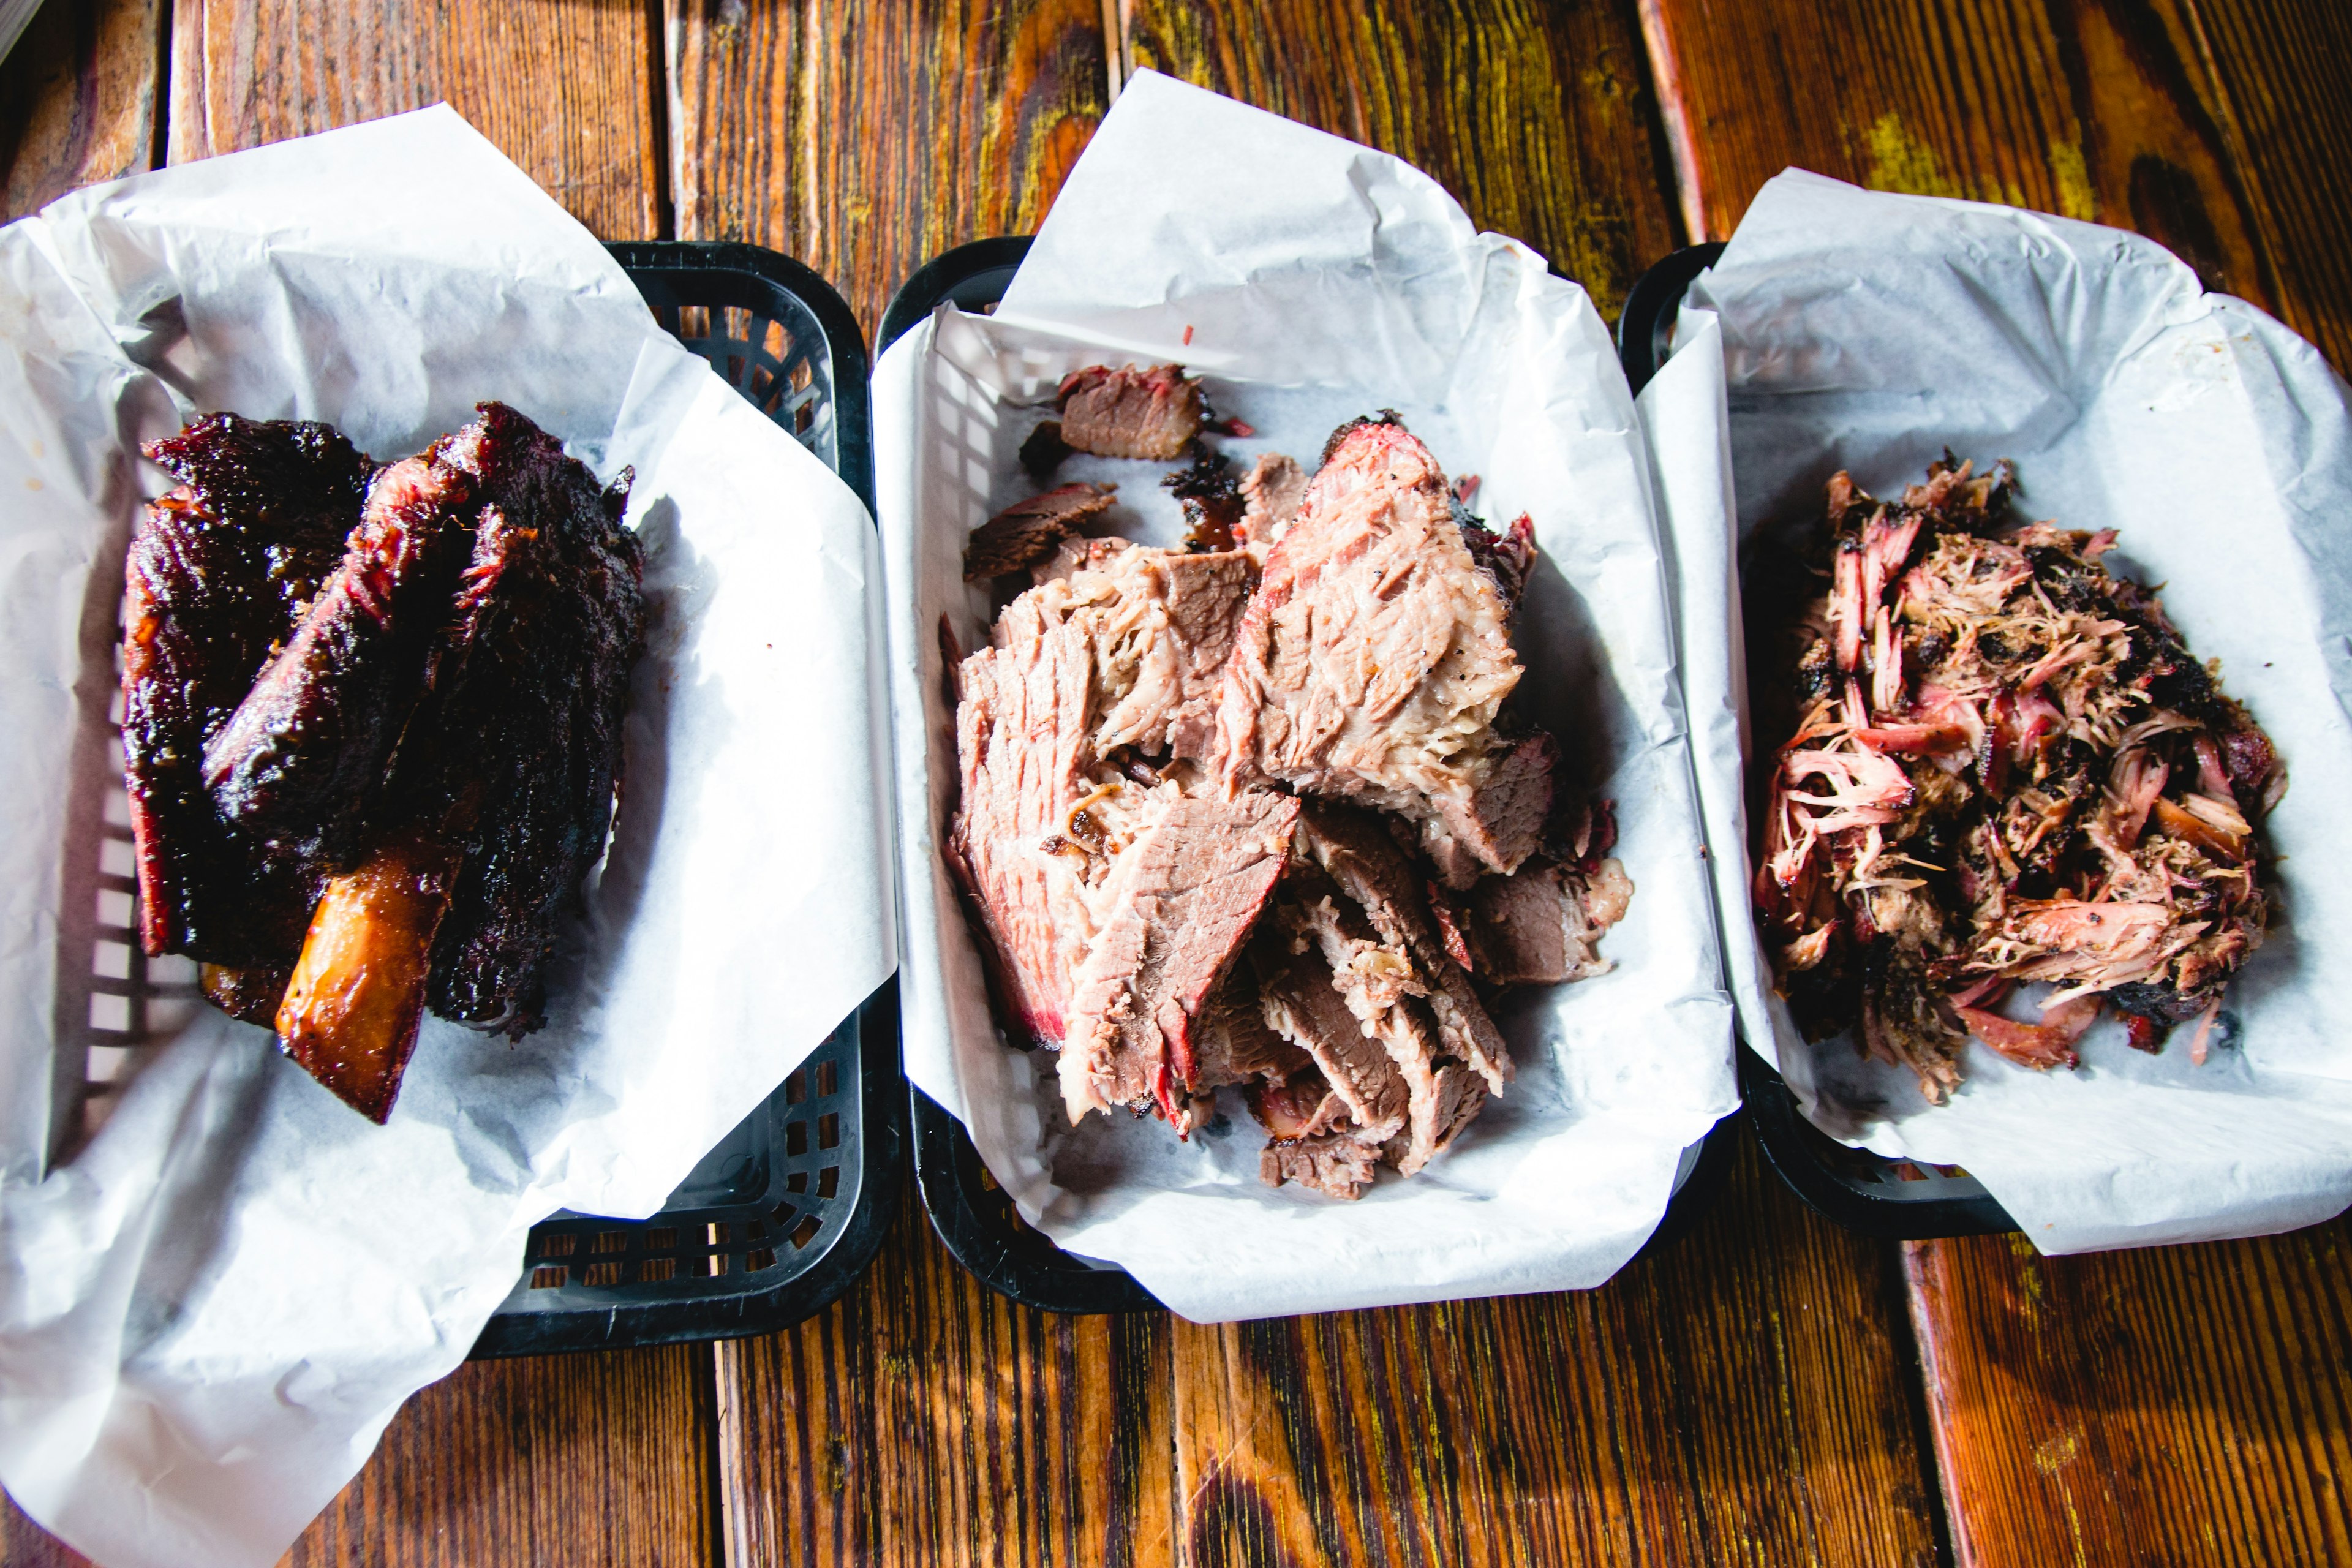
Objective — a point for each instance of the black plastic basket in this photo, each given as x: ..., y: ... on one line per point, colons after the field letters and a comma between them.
x: 976, y: 1219
x: 789, y: 1207
x: 1898, y: 1199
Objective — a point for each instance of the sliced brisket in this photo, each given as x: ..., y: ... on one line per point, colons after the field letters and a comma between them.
x: 1131, y: 413
x: 1302, y: 1001
x: 1335, y: 1164
x: 1271, y: 492
x: 1375, y: 657
x: 1181, y: 899
x: 1021, y: 738
x: 1028, y: 532
x: 1543, y: 924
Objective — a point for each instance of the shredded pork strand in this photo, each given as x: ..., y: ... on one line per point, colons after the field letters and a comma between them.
x: 2004, y: 766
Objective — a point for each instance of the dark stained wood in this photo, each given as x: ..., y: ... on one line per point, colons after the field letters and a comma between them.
x: 2180, y: 1405
x: 567, y: 88
x: 1536, y: 117
x: 1743, y: 1398
x: 2281, y: 81
x: 2091, y: 108
x: 555, y: 1461
x: 865, y: 138
x: 77, y: 99
x: 587, y: 1459
x: 923, y: 1421
x: 24, y: 1544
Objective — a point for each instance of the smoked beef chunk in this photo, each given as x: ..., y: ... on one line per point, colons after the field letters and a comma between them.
x: 1375, y: 660
x: 1131, y: 413
x: 1174, y: 770
x: 1271, y: 492
x: 373, y: 725
x: 1028, y: 532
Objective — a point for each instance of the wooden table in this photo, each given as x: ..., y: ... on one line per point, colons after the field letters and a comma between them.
x: 1770, y: 1391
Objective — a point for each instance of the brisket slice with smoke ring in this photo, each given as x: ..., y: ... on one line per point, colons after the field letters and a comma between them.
x: 1131, y: 413
x: 1029, y: 530
x: 1376, y: 656
x: 1182, y: 898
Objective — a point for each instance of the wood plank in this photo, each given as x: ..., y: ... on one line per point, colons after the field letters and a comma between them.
x: 865, y: 138
x: 922, y: 1421
x: 593, y: 1458
x: 554, y: 1460
x: 567, y: 88
x: 1538, y: 118
x: 2178, y: 1404
x: 1744, y: 1396
x: 78, y: 99
x: 24, y: 1544
x: 2091, y: 108
x: 2281, y: 84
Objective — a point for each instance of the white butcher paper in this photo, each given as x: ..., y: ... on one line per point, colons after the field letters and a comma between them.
x: 209, y: 1312
x: 1311, y: 281
x: 1869, y: 332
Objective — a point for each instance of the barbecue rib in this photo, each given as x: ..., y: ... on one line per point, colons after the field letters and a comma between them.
x: 366, y: 773
x: 506, y: 769
x: 226, y: 566
x: 298, y: 762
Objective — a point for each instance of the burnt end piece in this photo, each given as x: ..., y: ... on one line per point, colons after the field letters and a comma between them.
x: 1027, y: 532
x: 1507, y: 557
x: 1042, y: 450
x: 1211, y: 500
x: 514, y: 753
x: 1130, y: 413
x: 299, y: 762
x: 215, y: 582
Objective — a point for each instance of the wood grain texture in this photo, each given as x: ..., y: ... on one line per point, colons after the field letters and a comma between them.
x: 866, y: 136
x: 557, y: 1461
x: 1743, y: 1398
x: 24, y: 1544
x: 2281, y: 82
x: 78, y: 97
x: 923, y: 1421
x: 2178, y: 1404
x: 585, y: 1459
x: 2100, y: 109
x: 567, y: 88
x: 1536, y: 117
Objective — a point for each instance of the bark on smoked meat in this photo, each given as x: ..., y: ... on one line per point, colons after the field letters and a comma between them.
x: 514, y: 751
x: 299, y: 762
x: 218, y: 578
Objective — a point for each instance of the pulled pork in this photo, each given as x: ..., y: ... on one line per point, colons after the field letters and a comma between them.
x: 2004, y: 767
